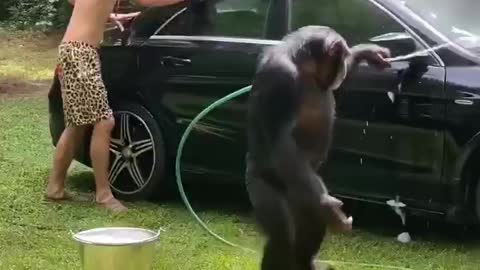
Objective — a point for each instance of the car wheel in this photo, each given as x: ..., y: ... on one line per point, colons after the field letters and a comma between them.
x: 137, y: 156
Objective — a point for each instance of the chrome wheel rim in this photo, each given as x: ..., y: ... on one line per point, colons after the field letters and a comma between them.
x: 132, y: 149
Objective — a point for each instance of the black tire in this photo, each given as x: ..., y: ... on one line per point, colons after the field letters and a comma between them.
x: 137, y: 157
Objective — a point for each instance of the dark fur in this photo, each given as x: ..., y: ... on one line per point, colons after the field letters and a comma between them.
x: 290, y: 124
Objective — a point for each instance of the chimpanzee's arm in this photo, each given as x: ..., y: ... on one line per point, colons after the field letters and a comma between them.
x: 373, y: 54
x: 279, y: 97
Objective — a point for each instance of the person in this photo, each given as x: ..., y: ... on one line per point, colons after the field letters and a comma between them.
x: 85, y: 97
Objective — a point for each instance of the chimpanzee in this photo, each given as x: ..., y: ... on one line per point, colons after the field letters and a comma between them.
x: 290, y: 119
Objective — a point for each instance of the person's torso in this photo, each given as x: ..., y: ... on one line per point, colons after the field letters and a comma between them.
x: 88, y: 21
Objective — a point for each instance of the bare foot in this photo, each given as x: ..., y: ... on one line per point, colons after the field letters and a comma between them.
x: 55, y: 187
x: 113, y: 204
x: 63, y: 195
x: 58, y: 193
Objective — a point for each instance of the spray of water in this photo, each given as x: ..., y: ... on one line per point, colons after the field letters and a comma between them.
x: 469, y: 41
x: 418, y: 53
x: 397, y: 207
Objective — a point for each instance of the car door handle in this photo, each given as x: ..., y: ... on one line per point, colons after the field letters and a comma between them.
x: 171, y: 61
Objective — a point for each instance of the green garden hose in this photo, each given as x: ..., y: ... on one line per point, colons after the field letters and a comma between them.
x: 187, y: 203
x: 179, y: 157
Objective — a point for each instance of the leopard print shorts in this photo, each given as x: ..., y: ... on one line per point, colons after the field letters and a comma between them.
x: 84, y: 94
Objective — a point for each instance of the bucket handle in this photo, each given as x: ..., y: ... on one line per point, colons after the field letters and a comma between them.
x: 161, y: 229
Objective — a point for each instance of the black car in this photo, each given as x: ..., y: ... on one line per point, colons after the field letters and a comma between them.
x: 410, y: 132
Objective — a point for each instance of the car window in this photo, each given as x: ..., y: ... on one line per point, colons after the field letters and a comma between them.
x: 231, y: 18
x: 239, y: 18
x: 160, y: 21
x: 356, y: 20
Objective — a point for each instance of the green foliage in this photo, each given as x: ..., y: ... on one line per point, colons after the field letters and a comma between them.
x: 36, y: 14
x: 43, y: 15
x: 33, y: 13
x: 62, y: 16
x: 4, y: 12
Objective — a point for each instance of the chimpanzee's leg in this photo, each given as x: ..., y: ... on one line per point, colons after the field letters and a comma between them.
x: 308, y: 242
x: 308, y: 239
x: 274, y: 218
x: 310, y: 223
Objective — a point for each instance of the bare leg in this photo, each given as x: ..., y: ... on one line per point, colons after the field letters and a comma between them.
x: 100, y: 156
x: 64, y: 153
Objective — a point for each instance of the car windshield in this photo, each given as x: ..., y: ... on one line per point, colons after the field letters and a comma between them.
x: 457, y: 20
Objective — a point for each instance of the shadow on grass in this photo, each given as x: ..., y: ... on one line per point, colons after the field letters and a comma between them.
x: 82, y: 181
x: 233, y: 200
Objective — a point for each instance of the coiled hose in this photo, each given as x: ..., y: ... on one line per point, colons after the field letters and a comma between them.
x: 187, y: 203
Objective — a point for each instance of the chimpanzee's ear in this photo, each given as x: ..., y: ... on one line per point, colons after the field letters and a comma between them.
x: 338, y: 47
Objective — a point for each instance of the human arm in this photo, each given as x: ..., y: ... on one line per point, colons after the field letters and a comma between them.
x: 149, y: 3
x: 158, y: 3
x: 118, y: 19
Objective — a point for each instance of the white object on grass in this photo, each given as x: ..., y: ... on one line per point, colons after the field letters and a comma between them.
x: 404, y: 237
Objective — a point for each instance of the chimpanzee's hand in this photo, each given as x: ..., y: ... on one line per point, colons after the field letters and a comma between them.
x: 373, y: 54
x: 337, y: 220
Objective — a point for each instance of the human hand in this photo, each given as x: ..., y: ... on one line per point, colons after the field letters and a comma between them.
x: 119, y: 19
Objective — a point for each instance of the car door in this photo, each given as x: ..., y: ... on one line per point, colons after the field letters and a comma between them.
x: 409, y: 119
x: 379, y: 144
x: 214, y: 54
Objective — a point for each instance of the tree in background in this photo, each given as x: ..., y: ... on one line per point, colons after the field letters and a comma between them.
x: 44, y: 15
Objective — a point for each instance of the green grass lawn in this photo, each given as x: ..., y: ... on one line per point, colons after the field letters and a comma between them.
x: 36, y: 235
